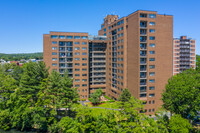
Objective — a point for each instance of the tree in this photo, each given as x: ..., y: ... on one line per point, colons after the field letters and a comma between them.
x: 125, y: 96
x: 95, y: 97
x: 177, y: 124
x: 182, y: 94
x: 198, y: 62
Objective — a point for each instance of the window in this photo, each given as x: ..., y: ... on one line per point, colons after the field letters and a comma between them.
x: 149, y: 102
x: 77, y: 75
x: 84, y: 48
x: 102, y: 26
x: 151, y: 66
x: 118, y: 23
x: 151, y: 52
x: 122, y: 47
x: 153, y: 102
x: 151, y: 80
x: 84, y: 58
x: 143, y: 15
x: 84, y: 74
x: 54, y: 59
x: 84, y: 53
x: 77, y: 80
x: 69, y: 37
x: 151, y: 73
x: 109, y: 27
x: 77, y: 53
x: 121, y: 28
x: 84, y: 64
x: 152, y: 15
x: 84, y: 69
x: 152, y: 38
x: 76, y: 37
x: 143, y: 95
x: 53, y: 53
x: 122, y: 40
x: 77, y: 58
x: 152, y: 23
x: 104, y: 30
x: 121, y: 59
x: 76, y: 48
x: 54, y: 64
x: 77, y: 64
x: 151, y: 87
x: 84, y: 80
x: 77, y: 86
x: 152, y: 95
x: 104, y: 34
x: 122, y: 21
x: 83, y: 37
x: 151, y: 45
x: 151, y: 59
x: 54, y: 42
x: 77, y: 69
x: 121, y: 34
x: 76, y: 42
x: 152, y: 30
x: 54, y: 48
x: 149, y: 110
x: 61, y: 37
x: 121, y: 71
x: 84, y: 43
x: 54, y: 36
x: 84, y: 85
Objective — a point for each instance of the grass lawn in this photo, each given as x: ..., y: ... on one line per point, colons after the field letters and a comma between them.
x: 97, y: 111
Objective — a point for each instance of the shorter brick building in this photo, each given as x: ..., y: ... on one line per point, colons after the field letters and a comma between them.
x: 183, y: 54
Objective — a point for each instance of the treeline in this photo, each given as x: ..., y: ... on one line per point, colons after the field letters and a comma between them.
x: 32, y: 99
x: 17, y: 57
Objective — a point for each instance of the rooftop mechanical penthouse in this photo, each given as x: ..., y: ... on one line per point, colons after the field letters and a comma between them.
x: 134, y: 52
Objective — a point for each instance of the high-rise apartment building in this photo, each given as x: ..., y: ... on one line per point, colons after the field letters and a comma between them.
x: 184, y: 54
x: 139, y: 55
x: 83, y: 59
x: 134, y: 52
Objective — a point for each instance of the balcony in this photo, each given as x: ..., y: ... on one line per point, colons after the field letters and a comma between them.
x: 143, y: 75
x: 143, y: 53
x: 143, y: 46
x: 143, y: 68
x: 143, y: 32
x: 143, y: 24
x: 187, y: 55
x: 184, y: 42
x: 143, y: 89
x: 143, y: 39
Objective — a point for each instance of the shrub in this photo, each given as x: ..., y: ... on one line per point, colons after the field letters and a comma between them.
x: 83, y: 99
x: 107, y: 97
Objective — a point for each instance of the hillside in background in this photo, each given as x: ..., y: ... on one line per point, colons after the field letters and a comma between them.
x: 17, y: 57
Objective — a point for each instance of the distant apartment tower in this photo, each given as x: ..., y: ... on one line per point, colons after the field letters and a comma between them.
x: 80, y: 57
x: 139, y: 55
x: 184, y: 54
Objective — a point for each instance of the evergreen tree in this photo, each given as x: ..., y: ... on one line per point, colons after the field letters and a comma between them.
x: 125, y: 96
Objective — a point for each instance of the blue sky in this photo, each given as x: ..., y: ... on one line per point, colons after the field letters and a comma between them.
x: 23, y: 22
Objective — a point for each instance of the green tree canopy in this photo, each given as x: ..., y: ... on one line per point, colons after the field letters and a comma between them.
x: 182, y: 94
x: 125, y: 95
